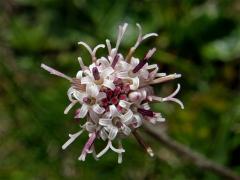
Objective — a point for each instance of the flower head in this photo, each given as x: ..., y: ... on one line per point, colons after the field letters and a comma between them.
x: 114, y: 93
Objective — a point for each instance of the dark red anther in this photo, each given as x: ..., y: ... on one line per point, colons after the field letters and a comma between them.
x: 109, y: 94
x: 119, y: 108
x: 117, y: 91
x: 104, y: 102
x: 145, y: 112
x: 122, y: 97
x: 119, y: 124
x: 95, y: 73
x: 144, y: 61
x: 115, y: 60
x: 114, y: 100
x: 140, y: 65
x: 107, y: 109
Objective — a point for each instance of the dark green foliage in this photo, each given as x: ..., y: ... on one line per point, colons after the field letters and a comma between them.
x: 199, y: 39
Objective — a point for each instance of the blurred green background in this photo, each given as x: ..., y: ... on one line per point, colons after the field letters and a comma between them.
x: 199, y: 39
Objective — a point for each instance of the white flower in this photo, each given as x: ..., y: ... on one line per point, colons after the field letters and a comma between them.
x: 115, y: 93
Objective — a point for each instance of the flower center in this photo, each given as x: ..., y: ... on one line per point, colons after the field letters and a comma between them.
x: 89, y: 100
x: 120, y: 92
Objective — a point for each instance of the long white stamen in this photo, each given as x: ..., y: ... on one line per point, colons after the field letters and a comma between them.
x: 149, y: 35
x: 96, y: 48
x: 104, y: 150
x: 120, y: 150
x: 94, y: 153
x: 70, y: 107
x: 86, y: 46
x: 174, y: 100
x: 119, y: 154
x: 109, y: 46
x: 139, y: 39
x: 121, y: 32
x: 175, y: 92
x: 72, y: 138
x: 55, y: 72
x: 83, y: 67
x: 165, y: 78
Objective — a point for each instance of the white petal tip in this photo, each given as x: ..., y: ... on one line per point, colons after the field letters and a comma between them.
x: 178, y: 75
x: 150, y: 152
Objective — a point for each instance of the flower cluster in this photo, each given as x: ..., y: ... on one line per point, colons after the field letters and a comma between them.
x: 114, y: 93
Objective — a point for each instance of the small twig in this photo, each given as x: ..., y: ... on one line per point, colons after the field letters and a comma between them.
x: 194, y: 157
x: 146, y: 147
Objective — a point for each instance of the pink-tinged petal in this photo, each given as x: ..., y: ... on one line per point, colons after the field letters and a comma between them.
x: 87, y: 146
x: 144, y: 74
x: 134, y: 61
x: 137, y: 121
x: 106, y: 72
x: 92, y: 90
x: 79, y: 74
x: 101, y: 95
x: 97, y: 109
x: 82, y: 112
x: 86, y: 80
x: 112, y: 132
x: 113, y: 111
x: 105, y: 122
x: 103, y: 134
x: 94, y: 116
x: 79, y: 95
x: 90, y: 127
x: 124, y: 104
x: 127, y: 116
x: 109, y: 84
x: 135, y: 96
x: 135, y: 83
x: 103, y: 63
x: 123, y: 75
x: 123, y: 66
